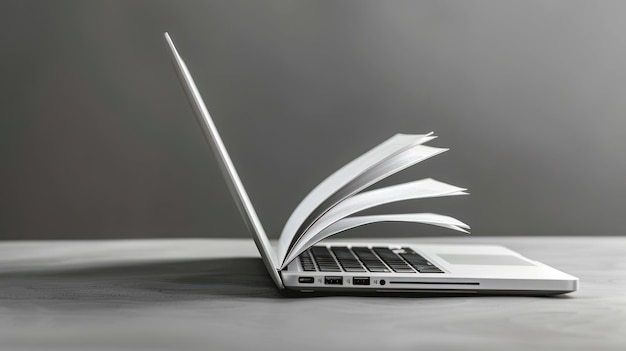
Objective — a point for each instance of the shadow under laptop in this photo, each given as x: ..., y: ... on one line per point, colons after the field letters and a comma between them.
x: 144, y: 281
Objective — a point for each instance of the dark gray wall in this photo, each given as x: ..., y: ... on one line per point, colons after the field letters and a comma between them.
x: 98, y: 139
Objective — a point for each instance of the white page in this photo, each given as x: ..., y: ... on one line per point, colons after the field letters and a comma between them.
x: 425, y: 218
x: 392, y: 164
x: 424, y: 188
x: 353, y: 222
x: 340, y: 178
x: 412, y: 190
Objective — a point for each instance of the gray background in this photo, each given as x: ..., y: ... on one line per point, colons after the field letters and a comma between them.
x: 97, y: 139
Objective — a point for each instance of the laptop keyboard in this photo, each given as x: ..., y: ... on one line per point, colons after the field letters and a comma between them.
x: 370, y: 260
x: 323, y: 258
x: 364, y: 259
x: 347, y: 260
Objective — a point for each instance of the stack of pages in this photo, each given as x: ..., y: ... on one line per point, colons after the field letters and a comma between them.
x: 327, y: 209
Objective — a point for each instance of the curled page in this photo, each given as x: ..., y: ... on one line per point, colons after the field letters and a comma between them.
x: 353, y: 222
x: 419, y: 189
x: 340, y: 178
x: 392, y: 164
x: 425, y: 218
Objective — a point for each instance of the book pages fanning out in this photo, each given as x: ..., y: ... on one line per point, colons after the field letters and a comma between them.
x: 341, y: 178
x: 326, y: 209
x: 424, y: 218
x: 382, y: 170
x: 419, y: 189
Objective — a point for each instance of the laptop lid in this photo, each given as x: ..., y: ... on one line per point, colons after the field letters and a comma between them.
x: 229, y: 172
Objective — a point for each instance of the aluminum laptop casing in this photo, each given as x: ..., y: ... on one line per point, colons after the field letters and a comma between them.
x: 532, y: 278
x: 468, y: 269
x: 229, y: 172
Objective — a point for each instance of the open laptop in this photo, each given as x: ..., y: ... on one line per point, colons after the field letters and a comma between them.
x: 374, y: 267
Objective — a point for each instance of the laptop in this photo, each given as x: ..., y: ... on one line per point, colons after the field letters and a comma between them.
x: 378, y: 267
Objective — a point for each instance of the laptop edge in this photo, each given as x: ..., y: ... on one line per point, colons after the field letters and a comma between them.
x: 231, y: 176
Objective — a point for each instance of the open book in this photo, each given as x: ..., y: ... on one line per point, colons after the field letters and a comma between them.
x: 328, y: 208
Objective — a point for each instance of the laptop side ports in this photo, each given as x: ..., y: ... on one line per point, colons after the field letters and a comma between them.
x: 306, y: 280
x: 333, y: 280
x: 360, y: 281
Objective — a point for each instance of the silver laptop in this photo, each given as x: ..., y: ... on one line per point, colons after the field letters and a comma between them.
x: 366, y: 267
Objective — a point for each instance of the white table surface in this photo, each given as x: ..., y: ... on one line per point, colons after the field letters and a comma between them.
x: 209, y: 294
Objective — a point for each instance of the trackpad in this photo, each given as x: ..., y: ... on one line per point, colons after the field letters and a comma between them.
x: 485, y: 260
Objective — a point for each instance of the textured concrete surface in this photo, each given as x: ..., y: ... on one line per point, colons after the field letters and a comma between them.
x: 193, y: 294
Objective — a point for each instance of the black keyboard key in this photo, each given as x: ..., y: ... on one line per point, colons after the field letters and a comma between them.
x: 414, y: 259
x: 418, y: 262
x: 325, y: 261
x: 392, y: 260
x: 307, y: 262
x: 377, y: 269
x: 431, y: 269
x: 346, y: 259
x: 369, y: 260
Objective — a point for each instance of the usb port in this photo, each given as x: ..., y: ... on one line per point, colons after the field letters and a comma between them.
x: 307, y: 280
x: 361, y: 281
x: 333, y: 280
